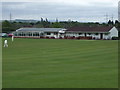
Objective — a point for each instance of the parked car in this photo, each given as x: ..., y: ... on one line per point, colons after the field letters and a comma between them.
x: 3, y: 34
x: 10, y: 35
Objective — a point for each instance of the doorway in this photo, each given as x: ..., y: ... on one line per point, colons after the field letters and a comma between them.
x: 101, y: 35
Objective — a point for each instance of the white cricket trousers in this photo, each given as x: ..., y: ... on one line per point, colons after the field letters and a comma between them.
x: 5, y: 45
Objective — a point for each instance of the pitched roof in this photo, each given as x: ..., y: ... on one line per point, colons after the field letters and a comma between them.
x: 41, y: 29
x: 89, y: 29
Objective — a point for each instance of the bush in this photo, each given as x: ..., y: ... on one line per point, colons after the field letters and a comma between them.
x: 115, y: 38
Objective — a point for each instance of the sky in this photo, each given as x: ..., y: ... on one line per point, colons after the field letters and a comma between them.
x: 76, y: 10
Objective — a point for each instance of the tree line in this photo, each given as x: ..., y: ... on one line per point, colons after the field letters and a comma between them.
x: 10, y: 26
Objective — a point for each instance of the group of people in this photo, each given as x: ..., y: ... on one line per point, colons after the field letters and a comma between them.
x: 6, y: 42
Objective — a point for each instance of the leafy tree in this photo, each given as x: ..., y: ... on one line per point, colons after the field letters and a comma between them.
x: 32, y: 23
x: 42, y: 20
x: 6, y: 24
x: 110, y: 23
x: 117, y: 23
x: 38, y: 22
x: 7, y: 29
x: 56, y: 25
x: 46, y: 20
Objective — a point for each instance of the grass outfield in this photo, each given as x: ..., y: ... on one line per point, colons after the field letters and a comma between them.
x: 42, y: 63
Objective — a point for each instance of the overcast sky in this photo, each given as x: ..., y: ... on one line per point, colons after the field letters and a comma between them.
x: 78, y: 10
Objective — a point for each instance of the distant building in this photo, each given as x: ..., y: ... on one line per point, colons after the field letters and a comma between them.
x: 119, y: 11
x: 40, y: 32
x: 99, y: 32
x: 80, y: 32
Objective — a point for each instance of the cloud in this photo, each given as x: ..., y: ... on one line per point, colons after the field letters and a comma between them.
x: 81, y: 10
x: 73, y: 2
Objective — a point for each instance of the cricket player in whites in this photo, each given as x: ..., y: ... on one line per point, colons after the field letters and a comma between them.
x: 5, y: 43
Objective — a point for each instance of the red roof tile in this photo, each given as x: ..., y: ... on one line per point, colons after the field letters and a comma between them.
x: 89, y: 29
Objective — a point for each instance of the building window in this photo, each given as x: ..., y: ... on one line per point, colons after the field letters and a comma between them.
x: 19, y: 34
x: 48, y: 33
x: 37, y: 34
x: 22, y: 34
x: 89, y: 33
x: 15, y: 34
x: 30, y: 34
x: 55, y: 33
x: 41, y: 33
x: 106, y: 33
x: 96, y: 33
x: 80, y: 33
x: 34, y: 34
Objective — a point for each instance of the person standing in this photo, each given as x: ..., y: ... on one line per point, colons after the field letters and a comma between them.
x: 5, y: 43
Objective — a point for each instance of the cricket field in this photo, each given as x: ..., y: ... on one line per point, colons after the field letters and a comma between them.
x: 55, y: 63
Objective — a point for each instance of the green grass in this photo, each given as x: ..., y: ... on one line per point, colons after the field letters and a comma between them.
x: 42, y: 63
